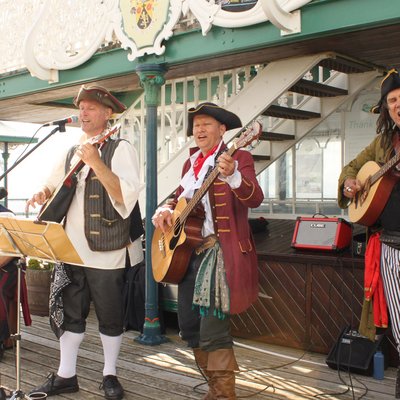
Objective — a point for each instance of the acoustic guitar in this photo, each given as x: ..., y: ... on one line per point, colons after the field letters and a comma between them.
x: 171, y: 251
x: 377, y: 183
x: 56, y: 206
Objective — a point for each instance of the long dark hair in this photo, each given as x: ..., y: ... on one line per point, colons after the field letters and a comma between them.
x: 385, y: 125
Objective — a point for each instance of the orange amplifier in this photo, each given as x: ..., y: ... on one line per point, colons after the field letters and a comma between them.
x: 322, y: 233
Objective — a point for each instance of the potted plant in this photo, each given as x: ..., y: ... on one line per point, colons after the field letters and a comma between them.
x: 38, y: 278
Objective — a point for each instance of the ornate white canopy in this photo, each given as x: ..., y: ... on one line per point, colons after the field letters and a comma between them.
x: 46, y: 36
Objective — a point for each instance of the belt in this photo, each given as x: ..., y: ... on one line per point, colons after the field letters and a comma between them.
x: 207, y: 243
x: 391, y: 238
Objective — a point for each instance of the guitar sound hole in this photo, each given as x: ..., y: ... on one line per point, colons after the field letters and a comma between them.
x: 177, y: 234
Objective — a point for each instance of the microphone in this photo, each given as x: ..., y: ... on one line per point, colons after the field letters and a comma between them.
x: 3, y: 193
x: 69, y: 120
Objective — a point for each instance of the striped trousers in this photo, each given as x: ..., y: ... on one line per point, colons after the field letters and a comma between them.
x: 390, y: 273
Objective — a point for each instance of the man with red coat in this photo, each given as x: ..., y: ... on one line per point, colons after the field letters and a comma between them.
x: 222, y: 275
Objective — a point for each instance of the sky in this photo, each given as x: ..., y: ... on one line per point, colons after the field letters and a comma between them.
x: 26, y: 177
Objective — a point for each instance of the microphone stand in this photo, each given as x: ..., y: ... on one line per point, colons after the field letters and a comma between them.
x: 60, y: 127
x: 18, y: 394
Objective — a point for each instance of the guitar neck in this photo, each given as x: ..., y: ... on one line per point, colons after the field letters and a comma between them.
x: 75, y: 168
x: 386, y: 168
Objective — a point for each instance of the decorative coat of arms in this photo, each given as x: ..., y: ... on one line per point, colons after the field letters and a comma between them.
x: 141, y: 26
x: 144, y: 24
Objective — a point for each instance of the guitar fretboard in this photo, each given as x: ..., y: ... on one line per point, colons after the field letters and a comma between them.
x: 386, y: 168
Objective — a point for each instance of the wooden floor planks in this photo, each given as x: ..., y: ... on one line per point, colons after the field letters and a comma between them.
x: 168, y: 371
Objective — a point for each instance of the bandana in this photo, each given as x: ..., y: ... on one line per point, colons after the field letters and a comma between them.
x: 56, y: 304
x: 211, y: 276
x: 201, y: 159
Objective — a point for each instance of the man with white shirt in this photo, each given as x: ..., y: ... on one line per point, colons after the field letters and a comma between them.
x: 102, y: 223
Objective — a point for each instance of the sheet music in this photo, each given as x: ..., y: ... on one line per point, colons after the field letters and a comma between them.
x: 46, y: 241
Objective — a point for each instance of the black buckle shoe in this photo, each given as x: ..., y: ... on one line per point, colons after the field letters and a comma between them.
x: 112, y: 388
x: 56, y: 385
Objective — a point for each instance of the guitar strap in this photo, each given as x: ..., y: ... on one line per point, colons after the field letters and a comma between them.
x: 70, y: 154
x: 210, y: 168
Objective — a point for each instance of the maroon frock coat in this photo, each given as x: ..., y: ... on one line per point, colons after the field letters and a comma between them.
x: 233, y: 230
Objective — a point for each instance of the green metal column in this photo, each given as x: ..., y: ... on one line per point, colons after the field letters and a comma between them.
x: 6, y: 156
x: 151, y: 78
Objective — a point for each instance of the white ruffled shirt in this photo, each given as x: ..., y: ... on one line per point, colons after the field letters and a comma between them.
x: 189, y: 184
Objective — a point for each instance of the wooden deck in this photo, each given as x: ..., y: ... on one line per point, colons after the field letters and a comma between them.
x: 168, y: 371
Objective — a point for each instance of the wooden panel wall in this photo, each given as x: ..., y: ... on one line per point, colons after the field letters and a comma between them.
x: 280, y: 319
x: 304, y: 305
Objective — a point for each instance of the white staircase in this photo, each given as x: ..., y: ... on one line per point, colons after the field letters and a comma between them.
x: 291, y: 96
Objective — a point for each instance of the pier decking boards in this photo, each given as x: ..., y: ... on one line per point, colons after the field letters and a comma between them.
x: 168, y: 371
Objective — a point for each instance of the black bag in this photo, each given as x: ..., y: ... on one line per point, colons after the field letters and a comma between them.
x: 134, y: 297
x: 258, y: 225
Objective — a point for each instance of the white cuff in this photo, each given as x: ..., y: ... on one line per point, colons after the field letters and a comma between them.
x: 234, y: 180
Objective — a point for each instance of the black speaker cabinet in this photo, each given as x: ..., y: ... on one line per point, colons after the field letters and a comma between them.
x: 355, y: 353
x: 322, y: 233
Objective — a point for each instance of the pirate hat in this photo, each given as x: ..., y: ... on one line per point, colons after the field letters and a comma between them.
x: 101, y: 95
x: 228, y: 118
x: 390, y: 82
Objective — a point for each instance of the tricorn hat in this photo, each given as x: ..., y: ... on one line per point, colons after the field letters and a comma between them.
x: 101, y: 95
x: 390, y: 82
x: 228, y: 118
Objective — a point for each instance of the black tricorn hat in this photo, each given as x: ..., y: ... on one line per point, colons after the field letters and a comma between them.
x: 390, y: 82
x: 228, y: 118
x: 101, y: 95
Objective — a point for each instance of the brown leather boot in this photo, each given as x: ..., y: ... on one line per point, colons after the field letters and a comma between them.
x: 201, y: 358
x: 224, y: 387
x: 397, y: 387
x: 223, y: 364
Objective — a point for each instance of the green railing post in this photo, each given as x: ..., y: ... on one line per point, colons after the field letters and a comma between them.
x: 151, y: 78
x: 6, y: 156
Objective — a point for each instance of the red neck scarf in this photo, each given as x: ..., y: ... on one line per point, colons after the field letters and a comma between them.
x: 200, y: 160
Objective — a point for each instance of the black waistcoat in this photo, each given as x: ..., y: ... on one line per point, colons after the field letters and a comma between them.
x: 105, y: 230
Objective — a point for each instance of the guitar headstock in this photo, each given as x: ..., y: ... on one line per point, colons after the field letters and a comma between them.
x: 251, y: 133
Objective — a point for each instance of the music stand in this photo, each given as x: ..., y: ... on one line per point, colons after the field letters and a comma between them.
x: 41, y: 240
